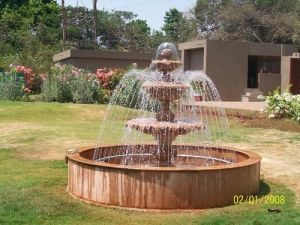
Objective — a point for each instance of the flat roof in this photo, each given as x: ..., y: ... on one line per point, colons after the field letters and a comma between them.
x: 203, y: 42
x: 84, y: 53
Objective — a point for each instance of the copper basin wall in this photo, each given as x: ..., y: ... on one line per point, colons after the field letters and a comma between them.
x: 162, y: 188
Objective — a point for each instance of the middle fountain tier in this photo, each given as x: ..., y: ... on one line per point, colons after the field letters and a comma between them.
x: 164, y: 127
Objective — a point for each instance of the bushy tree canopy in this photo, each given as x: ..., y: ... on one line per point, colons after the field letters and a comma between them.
x: 177, y: 27
x: 270, y: 21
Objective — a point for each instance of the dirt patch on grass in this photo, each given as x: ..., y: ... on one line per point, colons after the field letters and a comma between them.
x: 53, y: 150
x: 38, y: 142
x: 261, y: 120
x: 11, y: 132
x: 280, y: 157
x: 90, y: 112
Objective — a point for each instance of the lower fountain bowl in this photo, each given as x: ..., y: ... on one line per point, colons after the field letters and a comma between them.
x: 162, y: 188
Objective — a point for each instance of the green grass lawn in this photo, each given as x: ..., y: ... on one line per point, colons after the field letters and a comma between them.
x: 33, y: 174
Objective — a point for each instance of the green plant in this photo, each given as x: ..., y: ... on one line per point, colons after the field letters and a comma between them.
x: 49, y: 91
x: 11, y: 86
x: 126, y: 93
x: 282, y: 105
x: 198, y: 87
x: 85, y: 90
x: 66, y: 83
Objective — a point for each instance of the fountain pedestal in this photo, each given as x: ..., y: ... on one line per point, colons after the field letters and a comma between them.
x: 164, y: 128
x: 165, y: 133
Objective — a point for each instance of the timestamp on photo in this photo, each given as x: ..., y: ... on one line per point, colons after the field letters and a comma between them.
x: 255, y: 199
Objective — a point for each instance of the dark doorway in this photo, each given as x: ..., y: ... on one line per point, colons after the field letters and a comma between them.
x: 252, y: 72
x: 295, y: 76
x: 194, y: 59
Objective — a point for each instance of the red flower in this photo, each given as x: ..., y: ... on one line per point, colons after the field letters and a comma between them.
x: 104, y: 76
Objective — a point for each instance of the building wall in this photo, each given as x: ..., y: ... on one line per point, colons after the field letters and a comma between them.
x: 226, y: 63
x: 191, y: 51
x: 285, y: 72
x: 227, y: 66
x: 288, y: 50
x: 268, y: 82
x: 92, y: 60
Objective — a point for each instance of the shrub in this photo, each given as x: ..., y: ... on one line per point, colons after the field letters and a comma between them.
x: 109, y: 79
x: 85, y: 89
x: 11, y: 86
x: 28, y: 76
x: 126, y: 93
x: 282, y: 105
x: 66, y: 83
x: 49, y: 91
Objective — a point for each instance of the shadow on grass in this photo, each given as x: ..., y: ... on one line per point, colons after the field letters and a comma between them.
x: 264, y: 189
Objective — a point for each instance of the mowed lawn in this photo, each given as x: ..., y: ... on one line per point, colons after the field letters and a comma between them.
x: 33, y: 175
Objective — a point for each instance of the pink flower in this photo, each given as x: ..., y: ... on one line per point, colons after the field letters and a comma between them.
x: 26, y: 90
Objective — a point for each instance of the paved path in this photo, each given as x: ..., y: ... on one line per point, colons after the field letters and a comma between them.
x: 253, y: 106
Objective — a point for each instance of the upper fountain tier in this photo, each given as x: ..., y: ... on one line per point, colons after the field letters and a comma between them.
x: 165, y: 91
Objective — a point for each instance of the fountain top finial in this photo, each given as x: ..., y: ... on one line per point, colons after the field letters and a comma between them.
x: 166, y: 58
x: 167, y: 51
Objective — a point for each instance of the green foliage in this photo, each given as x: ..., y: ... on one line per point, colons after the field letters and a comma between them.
x: 137, y: 35
x: 69, y: 84
x: 283, y: 105
x: 117, y: 75
x: 29, y: 33
x: 157, y: 37
x: 206, y: 12
x: 249, y: 20
x: 126, y: 93
x: 11, y: 86
x: 49, y: 90
x: 177, y: 27
x: 84, y: 90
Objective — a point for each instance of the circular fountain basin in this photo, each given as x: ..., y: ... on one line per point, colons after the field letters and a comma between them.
x: 109, y: 182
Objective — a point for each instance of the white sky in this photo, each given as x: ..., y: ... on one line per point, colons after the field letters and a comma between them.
x: 153, y: 11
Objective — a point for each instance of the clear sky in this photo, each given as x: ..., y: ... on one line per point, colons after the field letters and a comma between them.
x: 153, y: 11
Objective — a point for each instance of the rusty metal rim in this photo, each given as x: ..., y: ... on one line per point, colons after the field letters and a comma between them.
x: 145, y: 210
x: 252, y: 158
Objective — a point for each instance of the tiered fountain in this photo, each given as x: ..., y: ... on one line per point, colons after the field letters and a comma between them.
x: 157, y: 174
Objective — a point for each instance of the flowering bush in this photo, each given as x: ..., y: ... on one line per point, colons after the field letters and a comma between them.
x: 104, y: 76
x: 16, y: 83
x: 282, y: 105
x: 28, y: 77
x: 109, y: 79
x: 66, y: 83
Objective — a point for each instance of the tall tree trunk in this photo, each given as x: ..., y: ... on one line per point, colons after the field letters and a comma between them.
x: 64, y: 22
x: 95, y: 22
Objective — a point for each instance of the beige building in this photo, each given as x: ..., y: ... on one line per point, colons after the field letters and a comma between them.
x: 242, y: 70
x: 93, y: 60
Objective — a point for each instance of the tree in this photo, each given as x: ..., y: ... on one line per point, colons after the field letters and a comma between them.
x: 137, y: 35
x: 80, y: 27
x: 156, y: 38
x: 271, y: 21
x: 112, y: 28
x: 12, y: 4
x: 206, y: 14
x: 172, y: 21
x: 27, y: 25
x: 177, y: 27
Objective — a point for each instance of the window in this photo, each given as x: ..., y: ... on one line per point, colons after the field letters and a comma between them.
x: 269, y: 64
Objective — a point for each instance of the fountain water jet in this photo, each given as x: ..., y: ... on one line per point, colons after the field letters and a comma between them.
x: 171, y: 171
